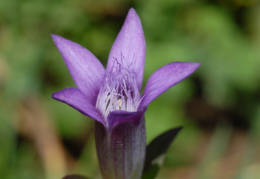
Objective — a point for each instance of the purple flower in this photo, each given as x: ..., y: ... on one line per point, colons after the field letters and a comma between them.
x: 112, y: 96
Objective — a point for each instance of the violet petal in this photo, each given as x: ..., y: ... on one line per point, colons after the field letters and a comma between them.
x: 76, y: 99
x: 85, y: 69
x: 166, y: 77
x: 117, y: 117
x: 129, y: 47
x: 121, y: 151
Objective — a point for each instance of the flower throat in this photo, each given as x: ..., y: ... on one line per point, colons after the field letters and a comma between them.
x: 119, y: 90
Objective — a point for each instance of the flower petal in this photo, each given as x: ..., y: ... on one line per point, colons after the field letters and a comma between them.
x: 166, y: 77
x: 117, y: 117
x: 76, y: 99
x: 128, y: 49
x: 85, y: 69
x: 121, y: 150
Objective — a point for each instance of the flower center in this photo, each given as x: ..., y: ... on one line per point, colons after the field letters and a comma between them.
x: 119, y: 91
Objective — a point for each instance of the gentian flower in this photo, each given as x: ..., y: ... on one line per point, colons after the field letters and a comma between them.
x: 112, y: 96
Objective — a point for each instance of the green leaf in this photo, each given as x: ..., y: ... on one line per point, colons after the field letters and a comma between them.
x: 155, y: 152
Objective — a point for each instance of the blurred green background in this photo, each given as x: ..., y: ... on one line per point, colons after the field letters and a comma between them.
x: 219, y: 105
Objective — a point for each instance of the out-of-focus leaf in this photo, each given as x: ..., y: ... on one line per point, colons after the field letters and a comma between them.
x: 75, y: 176
x: 156, y: 151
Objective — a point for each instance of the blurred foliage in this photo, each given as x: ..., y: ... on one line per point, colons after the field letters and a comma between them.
x: 219, y: 105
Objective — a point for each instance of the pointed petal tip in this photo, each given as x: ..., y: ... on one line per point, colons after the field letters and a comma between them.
x: 59, y: 40
x: 62, y: 42
x: 56, y: 96
x: 133, y: 16
x: 132, y: 12
x: 55, y: 37
x: 196, y: 64
x: 187, y: 66
x: 166, y: 77
x: 53, y: 96
x: 77, y: 100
